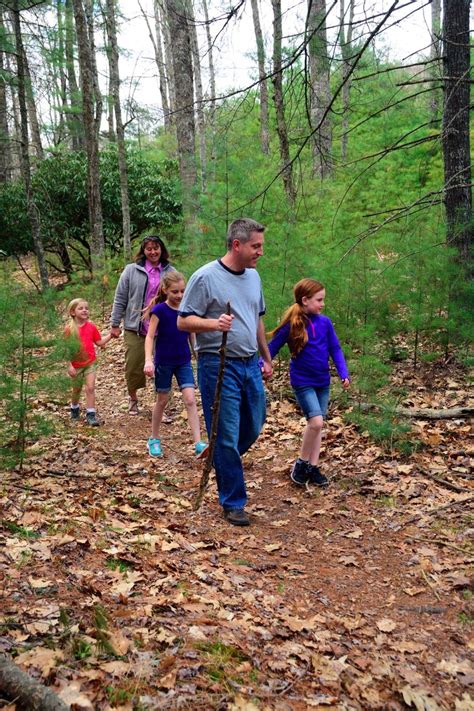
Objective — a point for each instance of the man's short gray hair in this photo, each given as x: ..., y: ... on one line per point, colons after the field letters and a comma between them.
x: 242, y: 230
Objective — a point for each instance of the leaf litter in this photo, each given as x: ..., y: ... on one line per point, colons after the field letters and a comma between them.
x: 118, y: 596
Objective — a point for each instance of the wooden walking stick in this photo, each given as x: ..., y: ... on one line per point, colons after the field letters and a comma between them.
x: 215, y: 420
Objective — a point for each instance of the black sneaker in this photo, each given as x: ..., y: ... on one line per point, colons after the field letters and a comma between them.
x: 75, y: 413
x: 316, y: 476
x: 237, y: 517
x: 92, y: 420
x: 299, y: 472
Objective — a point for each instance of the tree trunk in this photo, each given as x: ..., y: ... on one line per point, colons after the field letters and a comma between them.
x: 89, y: 15
x: 435, y: 66
x: 122, y: 156
x: 86, y: 63
x: 184, y: 113
x: 456, y: 144
x: 160, y: 65
x: 110, y: 99
x: 161, y: 16
x: 32, y: 113
x: 5, y: 159
x: 210, y: 54
x: 75, y: 119
x: 15, y: 145
x: 60, y: 81
x: 345, y: 42
x: 319, y: 89
x: 33, y: 214
x: 277, y: 80
x: 200, y: 123
x: 264, y: 130
x: 212, y: 86
x: 26, y: 692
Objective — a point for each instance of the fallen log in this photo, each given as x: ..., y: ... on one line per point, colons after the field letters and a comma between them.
x: 426, y: 413
x: 27, y: 693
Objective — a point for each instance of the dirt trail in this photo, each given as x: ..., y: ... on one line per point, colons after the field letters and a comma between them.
x: 127, y: 599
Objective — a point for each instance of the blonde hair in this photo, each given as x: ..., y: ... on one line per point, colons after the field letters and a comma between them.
x: 71, y: 327
x: 168, y: 278
x: 296, y: 316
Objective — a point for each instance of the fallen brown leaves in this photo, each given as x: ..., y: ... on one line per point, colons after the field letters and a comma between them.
x: 118, y: 596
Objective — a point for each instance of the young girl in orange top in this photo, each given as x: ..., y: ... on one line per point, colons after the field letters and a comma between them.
x: 83, y: 366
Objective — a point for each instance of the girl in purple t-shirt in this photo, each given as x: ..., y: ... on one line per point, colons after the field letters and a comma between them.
x: 311, y: 339
x: 172, y: 357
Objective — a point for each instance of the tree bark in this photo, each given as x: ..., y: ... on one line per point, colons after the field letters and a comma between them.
x: 200, y: 122
x: 435, y: 66
x: 158, y: 51
x: 264, y: 129
x: 33, y: 214
x: 277, y: 80
x: 60, y: 76
x: 456, y: 143
x: 161, y: 17
x: 160, y: 65
x: 212, y: 93
x: 89, y: 97
x: 5, y: 159
x: 16, y: 142
x: 75, y: 121
x: 184, y: 109
x: 345, y: 42
x: 210, y: 54
x: 319, y: 88
x: 122, y: 155
x: 426, y: 413
x: 32, y: 112
x: 27, y: 693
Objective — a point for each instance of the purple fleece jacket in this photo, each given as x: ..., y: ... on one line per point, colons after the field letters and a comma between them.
x: 310, y: 368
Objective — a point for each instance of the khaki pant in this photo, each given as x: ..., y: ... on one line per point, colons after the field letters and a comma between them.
x: 134, y: 360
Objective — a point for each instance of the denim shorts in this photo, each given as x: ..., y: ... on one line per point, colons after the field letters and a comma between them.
x: 164, y: 375
x: 313, y: 401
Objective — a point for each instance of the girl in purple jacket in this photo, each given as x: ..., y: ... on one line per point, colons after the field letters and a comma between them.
x: 311, y: 339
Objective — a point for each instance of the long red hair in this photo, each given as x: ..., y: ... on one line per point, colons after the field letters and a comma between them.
x: 296, y: 316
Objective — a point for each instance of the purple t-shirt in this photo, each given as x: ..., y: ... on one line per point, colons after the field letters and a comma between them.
x: 310, y: 368
x: 171, y: 345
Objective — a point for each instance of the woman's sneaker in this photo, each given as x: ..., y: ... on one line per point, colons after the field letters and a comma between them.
x: 299, y: 472
x: 200, y: 449
x: 316, y: 476
x: 154, y: 447
x: 75, y: 413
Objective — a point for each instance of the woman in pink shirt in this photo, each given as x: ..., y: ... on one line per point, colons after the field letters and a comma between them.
x: 137, y: 286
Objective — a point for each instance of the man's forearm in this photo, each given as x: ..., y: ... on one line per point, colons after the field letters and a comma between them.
x: 197, y: 324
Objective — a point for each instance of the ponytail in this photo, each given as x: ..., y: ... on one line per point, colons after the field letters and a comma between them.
x: 296, y: 316
x: 298, y: 321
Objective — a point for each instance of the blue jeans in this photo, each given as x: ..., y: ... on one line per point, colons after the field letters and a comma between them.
x: 241, y: 418
x: 313, y: 401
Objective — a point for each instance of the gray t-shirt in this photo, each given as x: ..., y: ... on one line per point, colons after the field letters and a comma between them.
x: 207, y: 293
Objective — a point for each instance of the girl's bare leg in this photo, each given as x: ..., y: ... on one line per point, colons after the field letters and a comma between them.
x: 311, y: 445
x: 193, y: 417
x: 75, y: 397
x: 89, y: 386
x: 157, y: 414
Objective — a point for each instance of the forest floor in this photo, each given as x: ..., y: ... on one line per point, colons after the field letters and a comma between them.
x: 117, y: 595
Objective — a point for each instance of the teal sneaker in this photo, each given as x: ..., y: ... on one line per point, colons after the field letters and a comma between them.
x: 200, y: 449
x: 154, y: 447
